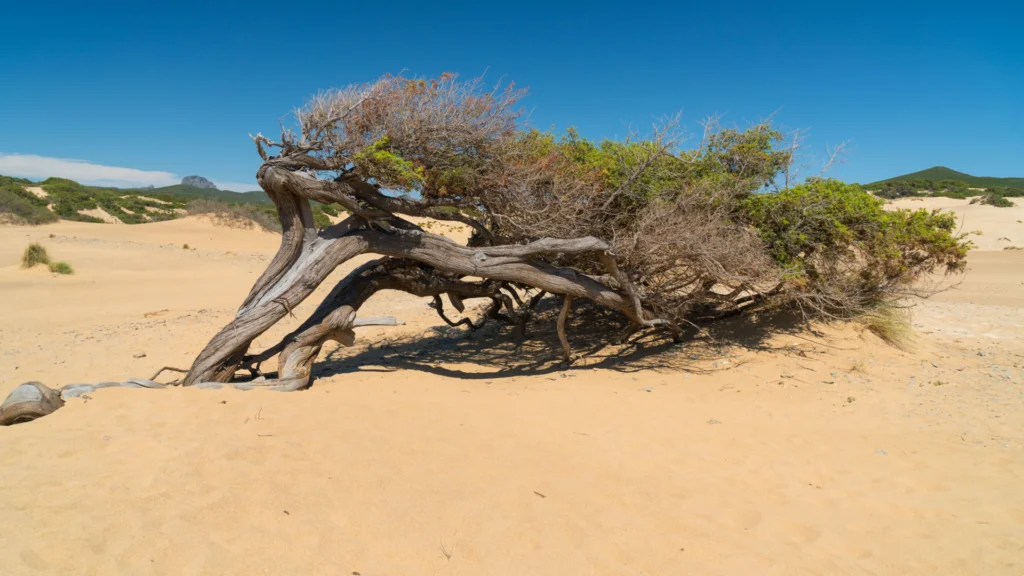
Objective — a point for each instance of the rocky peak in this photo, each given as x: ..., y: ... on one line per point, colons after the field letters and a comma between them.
x: 198, y: 182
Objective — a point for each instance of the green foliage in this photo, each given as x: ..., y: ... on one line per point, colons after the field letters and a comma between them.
x: 137, y: 206
x: 749, y: 157
x: 920, y: 187
x: 947, y: 189
x: 69, y: 197
x: 993, y: 199
x: 5, y: 180
x: 823, y: 216
x: 113, y: 208
x: 641, y: 173
x: 614, y: 163
x: 23, y: 205
x: 379, y: 162
x: 61, y: 268
x: 34, y: 254
x: 1007, y: 192
x: 814, y: 230
x: 897, y: 189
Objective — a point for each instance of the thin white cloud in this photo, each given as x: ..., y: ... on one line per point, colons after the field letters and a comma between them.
x: 42, y: 167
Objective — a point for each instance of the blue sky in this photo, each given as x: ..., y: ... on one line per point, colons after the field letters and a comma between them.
x: 165, y: 91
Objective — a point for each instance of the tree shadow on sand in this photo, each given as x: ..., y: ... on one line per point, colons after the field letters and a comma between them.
x: 494, y: 351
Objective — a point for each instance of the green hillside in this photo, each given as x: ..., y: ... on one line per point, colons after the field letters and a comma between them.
x: 64, y: 199
x: 185, y: 191
x: 939, y: 173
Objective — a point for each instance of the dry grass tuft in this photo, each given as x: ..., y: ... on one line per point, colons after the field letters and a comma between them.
x: 34, y: 254
x: 891, y: 324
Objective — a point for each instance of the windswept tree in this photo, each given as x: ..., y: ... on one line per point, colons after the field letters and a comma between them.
x: 665, y: 236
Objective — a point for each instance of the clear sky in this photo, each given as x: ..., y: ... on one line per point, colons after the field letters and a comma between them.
x: 166, y: 91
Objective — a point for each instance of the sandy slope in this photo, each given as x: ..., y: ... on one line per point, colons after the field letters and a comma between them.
x: 423, y: 452
x: 1000, y: 227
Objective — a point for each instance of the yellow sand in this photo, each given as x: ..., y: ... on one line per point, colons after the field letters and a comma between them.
x: 422, y: 452
x: 1000, y: 227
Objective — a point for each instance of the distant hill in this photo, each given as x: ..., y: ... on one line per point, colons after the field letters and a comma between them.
x: 938, y: 173
x: 25, y: 201
x: 186, y: 191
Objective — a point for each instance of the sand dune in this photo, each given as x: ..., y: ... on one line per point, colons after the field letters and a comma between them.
x: 1000, y: 228
x: 421, y: 451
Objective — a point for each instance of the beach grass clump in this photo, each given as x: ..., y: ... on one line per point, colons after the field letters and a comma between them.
x: 34, y: 254
x: 61, y: 268
x: 891, y: 324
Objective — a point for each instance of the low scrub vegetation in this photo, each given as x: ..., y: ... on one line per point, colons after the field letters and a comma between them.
x: 234, y: 214
x: 34, y: 254
x: 67, y: 199
x: 61, y: 268
x: 70, y: 198
x: 22, y: 206
x: 993, y: 199
x: 240, y: 215
x: 993, y: 196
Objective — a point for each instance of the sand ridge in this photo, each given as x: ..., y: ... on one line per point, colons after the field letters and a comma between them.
x: 423, y: 451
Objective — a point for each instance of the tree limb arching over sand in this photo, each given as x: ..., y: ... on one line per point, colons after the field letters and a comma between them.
x: 670, y: 238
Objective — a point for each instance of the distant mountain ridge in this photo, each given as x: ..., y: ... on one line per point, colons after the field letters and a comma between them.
x: 937, y: 173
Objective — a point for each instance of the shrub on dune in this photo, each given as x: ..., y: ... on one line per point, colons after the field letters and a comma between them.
x: 34, y: 254
x: 61, y: 268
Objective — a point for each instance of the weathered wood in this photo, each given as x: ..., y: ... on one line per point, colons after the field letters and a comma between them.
x: 27, y: 402
x: 223, y: 356
x: 562, y: 337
